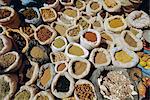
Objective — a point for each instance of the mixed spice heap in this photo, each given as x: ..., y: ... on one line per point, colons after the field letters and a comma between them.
x: 74, y: 50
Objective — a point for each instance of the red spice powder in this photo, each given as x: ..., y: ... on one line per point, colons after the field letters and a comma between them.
x: 43, y: 34
x: 90, y: 36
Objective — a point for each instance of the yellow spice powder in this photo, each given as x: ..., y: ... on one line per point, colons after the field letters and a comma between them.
x: 58, y: 43
x: 79, y: 4
x: 115, y: 23
x: 75, y: 50
x: 60, y: 29
x: 37, y: 52
x: 123, y: 57
x: 70, y: 12
x: 110, y: 3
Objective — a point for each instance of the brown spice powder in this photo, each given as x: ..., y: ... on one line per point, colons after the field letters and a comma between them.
x: 30, y: 72
x: 94, y: 5
x: 79, y: 67
x: 100, y: 58
x: 106, y: 37
x: 61, y: 67
x: 90, y: 36
x: 45, y: 77
x: 43, y: 34
x: 130, y: 40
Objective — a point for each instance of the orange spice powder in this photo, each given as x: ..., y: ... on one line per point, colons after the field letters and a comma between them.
x: 90, y: 36
x: 46, y: 77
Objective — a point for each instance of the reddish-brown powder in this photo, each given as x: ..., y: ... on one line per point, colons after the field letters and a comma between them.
x: 44, y: 34
x: 61, y: 67
x: 90, y: 36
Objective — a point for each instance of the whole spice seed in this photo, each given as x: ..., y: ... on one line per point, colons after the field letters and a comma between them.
x: 4, y: 13
x: 4, y: 89
x: 43, y: 34
x: 47, y: 13
x: 84, y: 92
x: 74, y: 32
x: 30, y: 13
x: 83, y: 23
x: 90, y: 36
x: 117, y: 81
x: 28, y: 30
x: 59, y: 57
x: 97, y: 24
x: 7, y: 60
